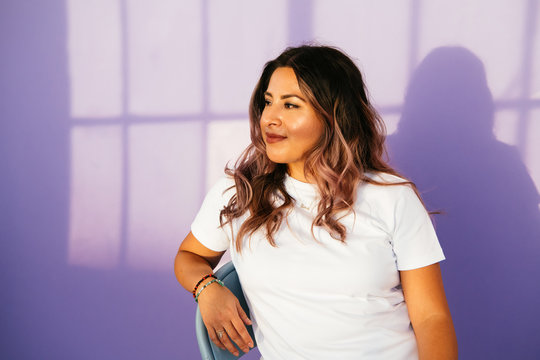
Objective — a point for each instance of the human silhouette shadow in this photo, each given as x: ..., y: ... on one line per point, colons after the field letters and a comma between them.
x: 490, y: 226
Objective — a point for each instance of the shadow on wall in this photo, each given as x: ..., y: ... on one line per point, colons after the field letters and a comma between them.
x: 490, y: 226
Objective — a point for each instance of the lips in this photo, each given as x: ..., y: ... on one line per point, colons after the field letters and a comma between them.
x: 273, y: 138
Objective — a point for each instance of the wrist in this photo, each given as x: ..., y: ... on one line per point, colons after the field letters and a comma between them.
x: 206, y: 286
x: 205, y: 279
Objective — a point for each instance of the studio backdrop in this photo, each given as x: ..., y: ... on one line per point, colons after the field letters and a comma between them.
x: 117, y: 116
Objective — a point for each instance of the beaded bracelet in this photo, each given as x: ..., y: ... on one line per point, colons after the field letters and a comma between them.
x: 200, y: 281
x: 205, y: 285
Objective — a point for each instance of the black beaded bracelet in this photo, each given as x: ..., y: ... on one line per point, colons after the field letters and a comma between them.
x: 200, y: 281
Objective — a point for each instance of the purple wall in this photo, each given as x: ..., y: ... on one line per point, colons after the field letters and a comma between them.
x: 67, y: 296
x: 490, y: 226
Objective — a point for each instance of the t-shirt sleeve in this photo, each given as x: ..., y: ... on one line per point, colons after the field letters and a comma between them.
x: 206, y: 227
x: 414, y: 239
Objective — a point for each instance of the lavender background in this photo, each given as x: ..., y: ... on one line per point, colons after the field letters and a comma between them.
x: 116, y: 115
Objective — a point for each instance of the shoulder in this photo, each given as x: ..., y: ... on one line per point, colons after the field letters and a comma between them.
x: 397, y: 206
x: 222, y: 190
x: 225, y: 184
x: 391, y: 187
x: 385, y: 178
x: 386, y: 200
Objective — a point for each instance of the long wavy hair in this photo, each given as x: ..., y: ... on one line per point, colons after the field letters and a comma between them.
x: 352, y: 144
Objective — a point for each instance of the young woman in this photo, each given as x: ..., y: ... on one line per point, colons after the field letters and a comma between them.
x: 336, y: 254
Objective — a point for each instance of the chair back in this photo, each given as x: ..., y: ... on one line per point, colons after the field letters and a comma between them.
x: 209, y: 350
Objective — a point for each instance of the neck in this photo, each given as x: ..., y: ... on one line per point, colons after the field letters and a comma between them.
x: 297, y: 172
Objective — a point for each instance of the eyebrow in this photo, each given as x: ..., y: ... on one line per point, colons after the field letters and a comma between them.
x: 286, y: 96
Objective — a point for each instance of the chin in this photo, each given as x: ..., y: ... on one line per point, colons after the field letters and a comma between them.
x: 276, y: 158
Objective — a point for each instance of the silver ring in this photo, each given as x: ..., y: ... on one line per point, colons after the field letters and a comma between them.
x: 220, y: 333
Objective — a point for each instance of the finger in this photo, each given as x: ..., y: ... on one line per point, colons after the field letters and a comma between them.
x: 212, y: 334
x: 220, y: 335
x: 235, y: 336
x: 243, y: 315
x: 228, y: 344
x: 242, y: 332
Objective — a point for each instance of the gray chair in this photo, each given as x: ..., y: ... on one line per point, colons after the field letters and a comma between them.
x: 209, y: 350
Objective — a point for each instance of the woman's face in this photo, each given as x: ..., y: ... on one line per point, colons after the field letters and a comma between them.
x: 290, y: 126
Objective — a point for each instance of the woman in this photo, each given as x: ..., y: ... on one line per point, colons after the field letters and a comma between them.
x: 335, y: 251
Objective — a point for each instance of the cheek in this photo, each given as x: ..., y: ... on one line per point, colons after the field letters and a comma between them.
x: 309, y: 132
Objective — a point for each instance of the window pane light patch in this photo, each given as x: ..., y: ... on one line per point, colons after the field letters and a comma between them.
x: 391, y: 122
x: 165, y: 57
x: 95, y: 196
x: 165, y: 191
x: 242, y: 39
x: 506, y: 124
x: 226, y: 141
x: 532, y: 155
x: 534, y: 40
x: 376, y: 34
x: 94, y: 51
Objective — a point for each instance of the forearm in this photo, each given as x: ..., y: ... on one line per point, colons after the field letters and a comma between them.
x: 436, y: 339
x: 189, y: 268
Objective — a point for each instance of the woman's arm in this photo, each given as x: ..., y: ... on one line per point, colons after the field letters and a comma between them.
x: 193, y: 261
x: 429, y: 313
x: 220, y: 309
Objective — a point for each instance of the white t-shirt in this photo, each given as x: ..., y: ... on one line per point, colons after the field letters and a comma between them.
x: 324, y: 299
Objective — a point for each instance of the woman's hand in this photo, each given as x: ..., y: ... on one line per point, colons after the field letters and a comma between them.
x: 224, y: 318
x: 220, y: 309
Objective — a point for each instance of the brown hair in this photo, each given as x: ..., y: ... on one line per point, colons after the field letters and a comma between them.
x: 351, y: 145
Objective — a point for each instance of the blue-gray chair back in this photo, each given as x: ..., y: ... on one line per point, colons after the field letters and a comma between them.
x: 209, y: 350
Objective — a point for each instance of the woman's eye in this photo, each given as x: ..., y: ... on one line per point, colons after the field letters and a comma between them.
x: 291, y: 106
x: 266, y: 102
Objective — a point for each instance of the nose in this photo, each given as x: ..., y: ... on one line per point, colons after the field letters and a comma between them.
x: 271, y: 116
